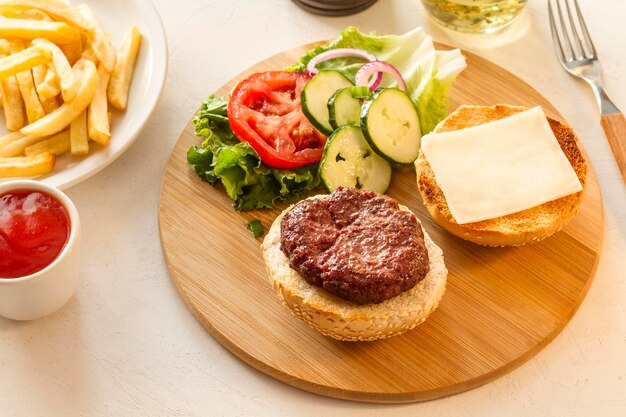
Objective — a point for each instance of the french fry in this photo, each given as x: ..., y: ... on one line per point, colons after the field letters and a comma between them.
x: 11, y: 137
x: 63, y: 116
x: 79, y: 141
x: 39, y: 74
x: 97, y: 117
x: 27, y: 166
x: 99, y: 41
x: 24, y: 60
x: 34, y: 109
x: 58, y: 10
x: 57, y: 144
x: 103, y: 50
x: 57, y: 32
x: 50, y: 86
x: 17, y: 147
x: 49, y: 104
x: 73, y: 50
x: 28, y: 14
x: 12, y: 104
x: 122, y: 75
x: 48, y: 101
x: 62, y: 67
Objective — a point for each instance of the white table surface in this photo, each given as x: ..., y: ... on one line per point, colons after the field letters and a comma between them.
x: 126, y: 345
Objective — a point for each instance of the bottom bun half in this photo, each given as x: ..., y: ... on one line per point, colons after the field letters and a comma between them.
x: 527, y: 226
x: 345, y: 320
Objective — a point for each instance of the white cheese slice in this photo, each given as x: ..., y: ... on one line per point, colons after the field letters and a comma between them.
x: 501, y: 167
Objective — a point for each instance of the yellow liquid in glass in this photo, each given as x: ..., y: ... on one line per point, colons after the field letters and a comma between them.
x: 478, y: 16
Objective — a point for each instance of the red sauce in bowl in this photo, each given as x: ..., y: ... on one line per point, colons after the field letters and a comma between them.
x: 34, y: 227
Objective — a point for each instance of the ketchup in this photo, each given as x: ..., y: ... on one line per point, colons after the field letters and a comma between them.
x: 34, y: 227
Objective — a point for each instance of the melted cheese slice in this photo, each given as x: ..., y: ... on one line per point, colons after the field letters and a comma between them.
x: 501, y: 167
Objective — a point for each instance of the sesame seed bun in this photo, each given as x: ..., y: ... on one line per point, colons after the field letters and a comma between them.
x: 531, y: 225
x: 345, y: 320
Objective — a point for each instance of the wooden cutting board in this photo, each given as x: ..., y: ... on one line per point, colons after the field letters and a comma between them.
x: 501, y: 306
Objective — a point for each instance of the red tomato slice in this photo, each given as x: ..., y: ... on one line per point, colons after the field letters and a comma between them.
x: 264, y: 110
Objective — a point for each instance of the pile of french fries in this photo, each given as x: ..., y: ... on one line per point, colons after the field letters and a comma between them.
x: 58, y: 76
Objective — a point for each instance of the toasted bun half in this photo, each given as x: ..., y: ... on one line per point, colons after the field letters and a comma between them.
x: 527, y: 226
x: 345, y: 320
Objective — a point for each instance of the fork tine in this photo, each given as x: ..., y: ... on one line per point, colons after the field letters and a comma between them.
x: 576, y: 38
x: 586, y: 36
x: 555, y: 34
x: 565, y: 39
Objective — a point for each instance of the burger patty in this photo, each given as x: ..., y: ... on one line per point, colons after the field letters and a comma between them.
x: 355, y: 244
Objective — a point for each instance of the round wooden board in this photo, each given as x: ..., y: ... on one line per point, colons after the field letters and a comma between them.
x: 501, y: 306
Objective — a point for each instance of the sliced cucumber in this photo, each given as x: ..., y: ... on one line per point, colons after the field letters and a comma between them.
x: 315, y: 96
x: 344, y: 108
x: 391, y: 126
x: 349, y: 161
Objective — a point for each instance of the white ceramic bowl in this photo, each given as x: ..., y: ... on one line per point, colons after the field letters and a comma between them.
x: 45, y: 291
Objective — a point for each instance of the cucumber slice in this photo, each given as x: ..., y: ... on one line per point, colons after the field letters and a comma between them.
x: 349, y: 161
x: 391, y: 126
x: 315, y: 96
x: 343, y: 108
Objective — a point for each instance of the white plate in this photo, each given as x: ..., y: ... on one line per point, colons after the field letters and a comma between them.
x: 117, y: 17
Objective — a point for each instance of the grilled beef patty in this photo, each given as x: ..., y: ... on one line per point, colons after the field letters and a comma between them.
x: 355, y: 244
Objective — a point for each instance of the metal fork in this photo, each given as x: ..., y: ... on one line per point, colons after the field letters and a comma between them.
x: 577, y: 54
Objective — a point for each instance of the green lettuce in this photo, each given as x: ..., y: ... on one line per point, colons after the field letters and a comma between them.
x: 247, y: 181
x: 428, y: 73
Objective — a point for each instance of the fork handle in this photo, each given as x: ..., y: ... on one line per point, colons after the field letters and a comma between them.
x: 614, y: 126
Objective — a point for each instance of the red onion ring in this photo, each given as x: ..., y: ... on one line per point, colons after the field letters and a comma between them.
x: 341, y: 53
x: 370, y: 68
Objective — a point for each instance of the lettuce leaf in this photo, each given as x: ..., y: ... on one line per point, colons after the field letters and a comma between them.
x: 247, y: 181
x: 428, y: 73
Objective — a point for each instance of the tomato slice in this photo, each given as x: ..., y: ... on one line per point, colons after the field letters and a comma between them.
x: 264, y: 110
